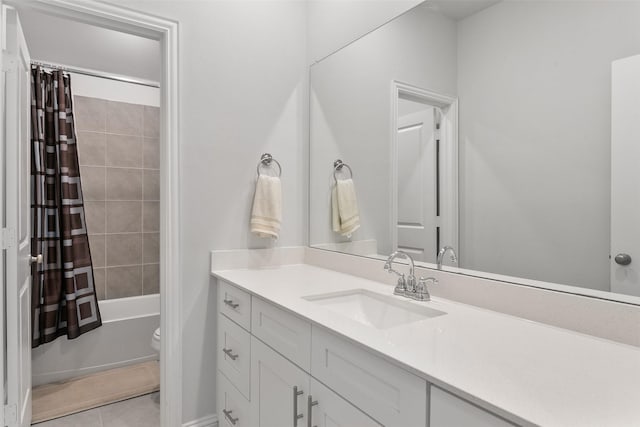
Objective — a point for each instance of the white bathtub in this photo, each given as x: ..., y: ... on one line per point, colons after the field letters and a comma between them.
x: 123, y: 339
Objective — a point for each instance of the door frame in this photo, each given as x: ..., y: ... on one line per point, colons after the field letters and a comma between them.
x: 449, y: 158
x: 166, y: 32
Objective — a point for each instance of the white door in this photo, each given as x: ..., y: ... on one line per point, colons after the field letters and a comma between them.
x: 279, y: 389
x: 417, y: 197
x: 327, y: 409
x: 16, y: 228
x: 625, y: 176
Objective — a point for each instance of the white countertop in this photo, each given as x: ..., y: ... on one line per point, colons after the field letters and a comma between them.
x: 522, y: 370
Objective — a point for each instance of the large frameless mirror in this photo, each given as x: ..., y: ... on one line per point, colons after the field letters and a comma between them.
x: 508, y: 131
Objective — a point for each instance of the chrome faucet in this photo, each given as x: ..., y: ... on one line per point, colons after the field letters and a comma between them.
x: 443, y: 251
x: 405, y: 285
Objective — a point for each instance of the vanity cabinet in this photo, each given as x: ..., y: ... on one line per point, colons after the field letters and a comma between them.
x: 330, y: 410
x: 275, y: 369
x: 233, y: 408
x: 386, y: 392
x: 447, y: 410
x: 279, y: 388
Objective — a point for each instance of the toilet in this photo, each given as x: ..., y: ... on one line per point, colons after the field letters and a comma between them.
x: 155, y: 341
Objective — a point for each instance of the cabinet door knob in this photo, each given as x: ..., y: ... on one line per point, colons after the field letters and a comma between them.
x: 229, y: 353
x: 231, y: 304
x: 310, y: 404
x: 623, y: 259
x: 35, y: 259
x: 296, y: 416
x: 231, y: 419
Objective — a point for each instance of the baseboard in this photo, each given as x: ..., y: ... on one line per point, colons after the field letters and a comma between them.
x: 208, y: 421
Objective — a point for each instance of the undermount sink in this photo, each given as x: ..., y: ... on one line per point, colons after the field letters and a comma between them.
x: 373, y: 309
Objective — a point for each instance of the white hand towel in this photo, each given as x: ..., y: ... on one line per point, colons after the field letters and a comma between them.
x: 344, y: 208
x: 266, y: 214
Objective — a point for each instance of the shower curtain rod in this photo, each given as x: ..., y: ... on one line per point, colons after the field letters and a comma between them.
x: 94, y: 73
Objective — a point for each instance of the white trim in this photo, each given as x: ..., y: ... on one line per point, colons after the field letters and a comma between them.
x: 208, y: 421
x: 2, y: 219
x: 449, y: 166
x: 166, y: 31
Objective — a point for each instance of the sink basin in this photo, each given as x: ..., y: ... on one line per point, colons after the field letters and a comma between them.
x: 373, y: 309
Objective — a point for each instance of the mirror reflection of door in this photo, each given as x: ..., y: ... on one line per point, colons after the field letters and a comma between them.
x: 417, y: 169
x: 625, y: 157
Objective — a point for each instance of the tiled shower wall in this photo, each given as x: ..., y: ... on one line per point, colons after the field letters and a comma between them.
x: 118, y: 150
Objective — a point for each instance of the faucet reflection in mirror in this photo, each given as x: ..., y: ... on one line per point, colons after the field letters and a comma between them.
x: 442, y: 253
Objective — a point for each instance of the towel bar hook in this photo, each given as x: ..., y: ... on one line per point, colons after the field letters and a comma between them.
x: 266, y: 160
x: 337, y: 166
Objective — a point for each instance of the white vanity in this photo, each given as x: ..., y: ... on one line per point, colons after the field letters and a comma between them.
x: 305, y: 346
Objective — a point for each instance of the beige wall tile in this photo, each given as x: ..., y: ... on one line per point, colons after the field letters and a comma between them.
x: 95, y: 216
x: 124, y: 282
x: 99, y: 279
x: 151, y: 153
x: 151, y: 248
x: 151, y: 185
x: 151, y: 216
x: 90, y: 113
x: 124, y: 118
x: 124, y: 151
x: 98, y: 248
x: 91, y: 148
x: 124, y: 217
x: 124, y: 184
x: 93, y: 182
x: 150, y: 279
x: 151, y: 122
x: 124, y: 249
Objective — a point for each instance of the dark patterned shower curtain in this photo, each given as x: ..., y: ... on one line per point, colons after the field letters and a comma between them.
x: 64, y: 299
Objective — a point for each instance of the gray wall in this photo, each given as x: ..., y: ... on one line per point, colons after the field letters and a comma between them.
x: 534, y: 85
x: 351, y: 114
x: 332, y: 24
x: 243, y: 86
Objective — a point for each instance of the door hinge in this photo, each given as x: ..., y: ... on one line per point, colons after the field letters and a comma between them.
x: 10, y: 415
x: 8, y: 238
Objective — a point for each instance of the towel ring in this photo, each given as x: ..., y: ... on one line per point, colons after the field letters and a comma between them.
x: 266, y: 160
x: 337, y: 166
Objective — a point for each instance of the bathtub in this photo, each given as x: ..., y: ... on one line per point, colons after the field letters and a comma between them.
x: 123, y: 339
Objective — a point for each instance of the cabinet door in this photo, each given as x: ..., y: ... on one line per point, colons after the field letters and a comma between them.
x: 279, y: 389
x: 448, y: 410
x: 327, y: 409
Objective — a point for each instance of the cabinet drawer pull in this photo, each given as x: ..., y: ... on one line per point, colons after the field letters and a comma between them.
x: 296, y: 416
x: 229, y: 417
x: 229, y: 353
x: 231, y: 304
x: 310, y: 404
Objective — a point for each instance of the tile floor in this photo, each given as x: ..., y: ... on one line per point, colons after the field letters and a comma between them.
x: 143, y: 411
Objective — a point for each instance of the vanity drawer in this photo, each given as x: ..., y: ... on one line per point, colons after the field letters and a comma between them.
x: 234, y: 409
x: 234, y: 354
x: 385, y: 392
x: 235, y: 304
x: 289, y: 335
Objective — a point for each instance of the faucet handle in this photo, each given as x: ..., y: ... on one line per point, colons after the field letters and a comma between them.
x: 401, y: 286
x: 421, y: 291
x: 423, y: 281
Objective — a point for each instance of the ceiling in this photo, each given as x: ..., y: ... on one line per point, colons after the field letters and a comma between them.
x: 63, y: 41
x: 459, y: 9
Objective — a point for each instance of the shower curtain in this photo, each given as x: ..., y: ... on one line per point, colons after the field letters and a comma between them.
x: 64, y: 299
